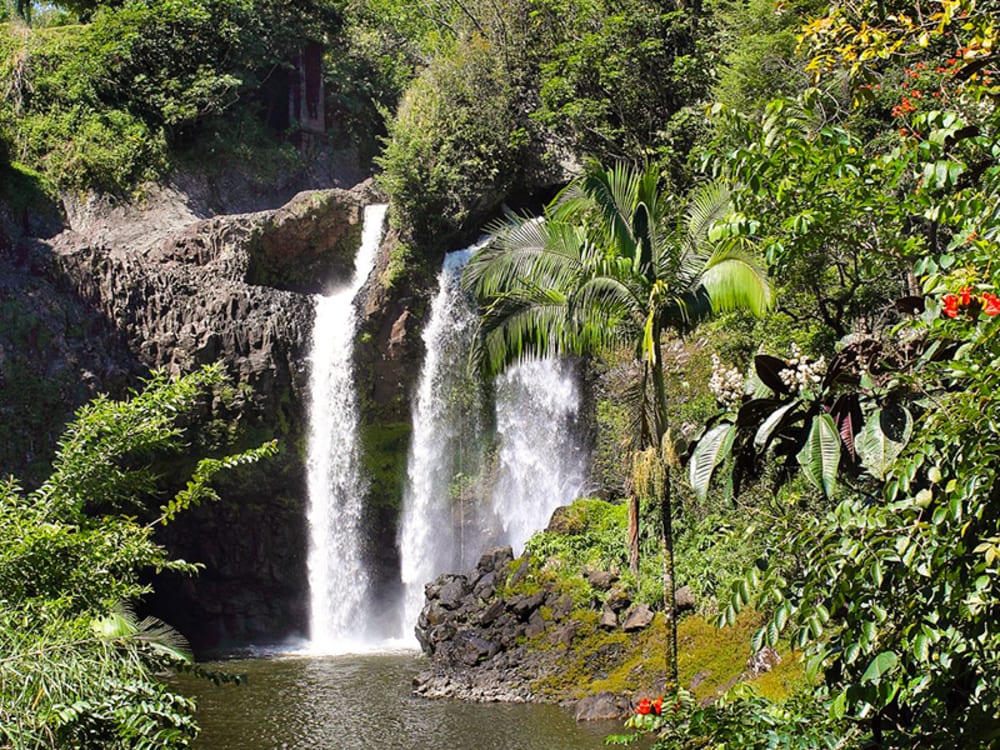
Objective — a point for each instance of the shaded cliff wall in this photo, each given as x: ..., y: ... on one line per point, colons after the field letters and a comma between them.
x: 157, y: 286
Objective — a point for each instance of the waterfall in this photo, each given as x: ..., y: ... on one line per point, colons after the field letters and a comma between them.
x: 542, y: 458
x: 338, y: 580
x: 540, y: 464
x: 444, y: 433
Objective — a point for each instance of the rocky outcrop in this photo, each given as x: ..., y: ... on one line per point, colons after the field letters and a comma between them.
x: 490, y: 637
x: 178, y: 291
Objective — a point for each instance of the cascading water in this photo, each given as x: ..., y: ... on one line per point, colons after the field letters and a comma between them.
x: 542, y: 459
x: 338, y: 580
x: 444, y: 431
x: 541, y: 462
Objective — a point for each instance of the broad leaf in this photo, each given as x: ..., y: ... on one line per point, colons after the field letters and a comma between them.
x: 755, y: 411
x: 769, y: 371
x: 846, y: 413
x: 820, y: 456
x: 880, y: 665
x: 883, y: 438
x: 778, y: 419
x: 713, y: 447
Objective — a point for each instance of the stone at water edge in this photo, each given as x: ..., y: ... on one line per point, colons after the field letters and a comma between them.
x: 601, y: 707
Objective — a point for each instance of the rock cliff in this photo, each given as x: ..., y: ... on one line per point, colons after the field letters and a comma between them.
x: 159, y: 284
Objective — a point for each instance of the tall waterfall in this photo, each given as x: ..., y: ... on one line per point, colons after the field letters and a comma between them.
x: 542, y: 461
x: 338, y: 580
x: 444, y: 413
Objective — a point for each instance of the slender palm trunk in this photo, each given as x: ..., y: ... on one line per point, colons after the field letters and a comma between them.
x: 666, y: 517
x: 669, y: 589
x: 633, y: 534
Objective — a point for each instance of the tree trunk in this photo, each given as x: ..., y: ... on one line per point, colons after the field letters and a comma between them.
x: 633, y: 535
x: 666, y: 517
x: 669, y: 589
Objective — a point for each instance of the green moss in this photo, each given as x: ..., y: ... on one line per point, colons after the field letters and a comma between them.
x: 401, y: 262
x: 384, y: 449
x: 717, y: 658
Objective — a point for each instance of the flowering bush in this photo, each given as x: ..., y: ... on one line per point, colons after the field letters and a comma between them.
x: 970, y: 304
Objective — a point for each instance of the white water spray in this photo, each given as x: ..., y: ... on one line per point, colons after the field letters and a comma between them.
x: 431, y: 538
x: 338, y: 580
x: 542, y: 462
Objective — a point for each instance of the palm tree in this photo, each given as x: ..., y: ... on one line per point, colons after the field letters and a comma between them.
x: 614, y: 263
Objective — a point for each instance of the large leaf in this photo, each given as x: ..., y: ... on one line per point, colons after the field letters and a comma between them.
x: 778, y: 419
x: 883, y: 438
x: 769, y: 369
x: 755, y: 411
x: 882, y: 664
x: 846, y: 413
x: 713, y: 447
x: 820, y: 456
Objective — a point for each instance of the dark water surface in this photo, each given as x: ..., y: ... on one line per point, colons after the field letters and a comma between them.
x: 363, y: 702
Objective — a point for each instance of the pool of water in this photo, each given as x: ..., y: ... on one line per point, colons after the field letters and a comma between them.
x: 364, y: 702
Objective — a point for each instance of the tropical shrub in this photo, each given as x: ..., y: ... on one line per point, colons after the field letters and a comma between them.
x: 77, y: 669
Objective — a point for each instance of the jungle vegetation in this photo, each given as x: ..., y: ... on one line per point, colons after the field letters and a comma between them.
x: 833, y: 466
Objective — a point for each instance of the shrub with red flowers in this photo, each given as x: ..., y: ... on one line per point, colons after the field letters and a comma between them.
x: 965, y: 302
x: 647, y: 707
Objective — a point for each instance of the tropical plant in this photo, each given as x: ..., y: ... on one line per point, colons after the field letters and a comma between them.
x: 611, y: 265
x: 845, y: 421
x: 76, y: 668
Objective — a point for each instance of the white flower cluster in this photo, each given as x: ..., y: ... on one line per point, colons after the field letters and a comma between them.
x: 726, y: 383
x: 801, y: 373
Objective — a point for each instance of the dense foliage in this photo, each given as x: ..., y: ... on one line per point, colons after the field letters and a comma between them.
x: 108, y: 103
x: 77, y: 669
x: 851, y: 150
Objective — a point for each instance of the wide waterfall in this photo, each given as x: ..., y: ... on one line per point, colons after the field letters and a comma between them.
x: 445, y: 430
x: 540, y: 462
x: 338, y: 579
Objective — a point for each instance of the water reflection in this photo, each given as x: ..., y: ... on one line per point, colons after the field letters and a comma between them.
x: 364, y: 703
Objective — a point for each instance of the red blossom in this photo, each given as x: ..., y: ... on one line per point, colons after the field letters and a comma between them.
x: 966, y: 294
x: 645, y: 707
x: 950, y: 305
x: 991, y: 304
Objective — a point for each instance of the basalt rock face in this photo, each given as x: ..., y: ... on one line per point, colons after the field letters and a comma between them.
x: 176, y: 291
x: 491, y: 638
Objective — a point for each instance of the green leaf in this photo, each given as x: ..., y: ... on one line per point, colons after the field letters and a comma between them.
x: 883, y: 438
x: 838, y: 706
x: 820, y: 456
x: 713, y: 448
x: 771, y: 424
x: 881, y: 665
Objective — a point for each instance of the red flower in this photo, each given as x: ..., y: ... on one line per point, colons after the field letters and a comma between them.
x: 966, y: 292
x: 645, y: 706
x: 991, y: 304
x: 658, y: 703
x: 951, y: 305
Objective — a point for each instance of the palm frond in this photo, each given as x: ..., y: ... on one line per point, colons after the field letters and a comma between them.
x: 524, y: 252
x: 707, y: 204
x: 734, y: 281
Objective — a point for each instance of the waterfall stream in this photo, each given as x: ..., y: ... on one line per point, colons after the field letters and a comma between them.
x: 445, y: 412
x: 540, y: 463
x: 542, y: 460
x: 338, y: 579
